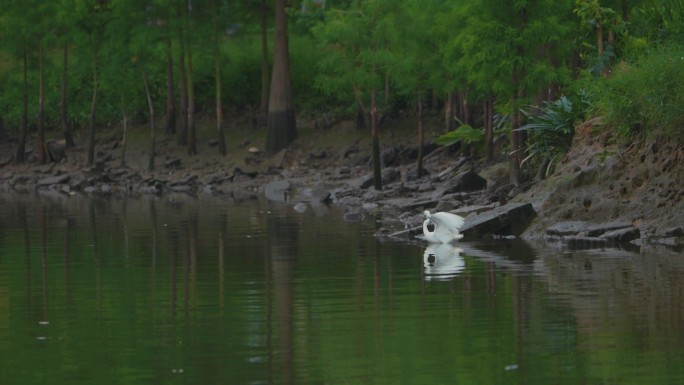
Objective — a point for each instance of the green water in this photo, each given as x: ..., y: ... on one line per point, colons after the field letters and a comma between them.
x: 207, y: 291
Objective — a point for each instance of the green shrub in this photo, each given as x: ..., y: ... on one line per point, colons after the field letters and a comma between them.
x: 646, y: 98
x: 551, y: 127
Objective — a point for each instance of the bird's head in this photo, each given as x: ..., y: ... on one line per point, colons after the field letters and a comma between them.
x: 427, y: 213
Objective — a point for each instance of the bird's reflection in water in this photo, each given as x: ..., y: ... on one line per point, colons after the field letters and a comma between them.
x: 442, y: 261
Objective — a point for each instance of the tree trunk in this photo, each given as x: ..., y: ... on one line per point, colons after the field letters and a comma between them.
x: 421, y: 139
x: 220, y: 137
x: 489, y: 128
x: 153, y: 129
x: 464, y: 109
x: 449, y: 112
x: 360, y: 111
x: 183, y: 105
x: 93, y: 110
x: 517, y: 138
x: 265, y: 76
x: 192, y: 145
x: 192, y: 137
x: 66, y: 130
x: 377, y: 172
x: 624, y: 6
x: 282, y: 129
x: 388, y: 93
x: 20, y: 153
x: 170, y: 125
x: 516, y: 142
x: 599, y: 39
x: 41, y: 105
x: 124, y: 117
x: 3, y: 131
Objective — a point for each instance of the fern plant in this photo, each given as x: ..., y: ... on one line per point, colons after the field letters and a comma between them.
x: 551, y: 127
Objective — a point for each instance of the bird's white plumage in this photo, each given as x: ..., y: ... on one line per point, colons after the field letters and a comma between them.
x: 442, y: 261
x: 447, y: 226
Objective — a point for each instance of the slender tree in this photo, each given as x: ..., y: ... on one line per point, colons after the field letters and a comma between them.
x: 20, y: 152
x: 220, y: 137
x: 63, y: 100
x: 21, y: 29
x: 183, y: 101
x: 265, y: 66
x: 182, y: 84
x: 282, y: 129
x: 93, y: 107
x: 66, y: 31
x: 153, y: 126
x: 192, y: 137
x: 124, y: 136
x: 92, y: 19
x: 359, y: 58
x: 415, y: 47
x: 41, y: 105
x: 170, y: 125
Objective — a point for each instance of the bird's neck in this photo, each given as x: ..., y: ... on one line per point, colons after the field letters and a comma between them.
x: 426, y: 231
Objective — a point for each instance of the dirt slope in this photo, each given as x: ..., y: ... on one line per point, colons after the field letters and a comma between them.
x: 601, y: 180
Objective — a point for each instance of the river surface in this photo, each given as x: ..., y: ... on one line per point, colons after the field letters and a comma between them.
x: 178, y: 290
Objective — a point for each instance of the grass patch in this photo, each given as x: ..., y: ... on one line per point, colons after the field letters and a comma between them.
x: 646, y: 98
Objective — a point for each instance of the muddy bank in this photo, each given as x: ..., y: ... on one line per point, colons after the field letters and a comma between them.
x: 602, y: 194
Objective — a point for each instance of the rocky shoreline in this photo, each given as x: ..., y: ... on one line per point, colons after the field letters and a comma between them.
x: 554, y: 210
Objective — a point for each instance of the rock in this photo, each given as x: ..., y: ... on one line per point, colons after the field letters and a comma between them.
x: 353, y: 216
x: 245, y: 170
x: 388, y: 175
x: 180, y: 188
x: 45, y: 169
x: 622, y: 235
x: 300, y: 207
x: 90, y: 189
x: 173, y: 163
x: 19, y: 179
x: 218, y: 177
x: 510, y: 219
x: 106, y: 188
x: 447, y: 205
x: 367, y: 181
x: 673, y: 232
x: 278, y: 191
x: 188, y: 180
x: 465, y: 182
x: 56, y: 150
x: 315, y: 195
x: 464, y: 211
x: 562, y: 229
x: 580, y: 234
x: 597, y: 230
x: 53, y: 180
x: 403, y: 234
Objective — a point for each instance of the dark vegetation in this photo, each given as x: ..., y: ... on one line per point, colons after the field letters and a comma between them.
x: 529, y: 71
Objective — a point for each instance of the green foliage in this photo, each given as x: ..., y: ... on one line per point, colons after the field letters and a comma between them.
x: 645, y: 98
x: 509, y: 51
x: 464, y: 133
x: 357, y: 44
x: 241, y: 72
x: 551, y: 127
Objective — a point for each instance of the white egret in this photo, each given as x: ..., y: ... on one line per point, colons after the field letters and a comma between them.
x: 446, y: 227
x: 442, y: 261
